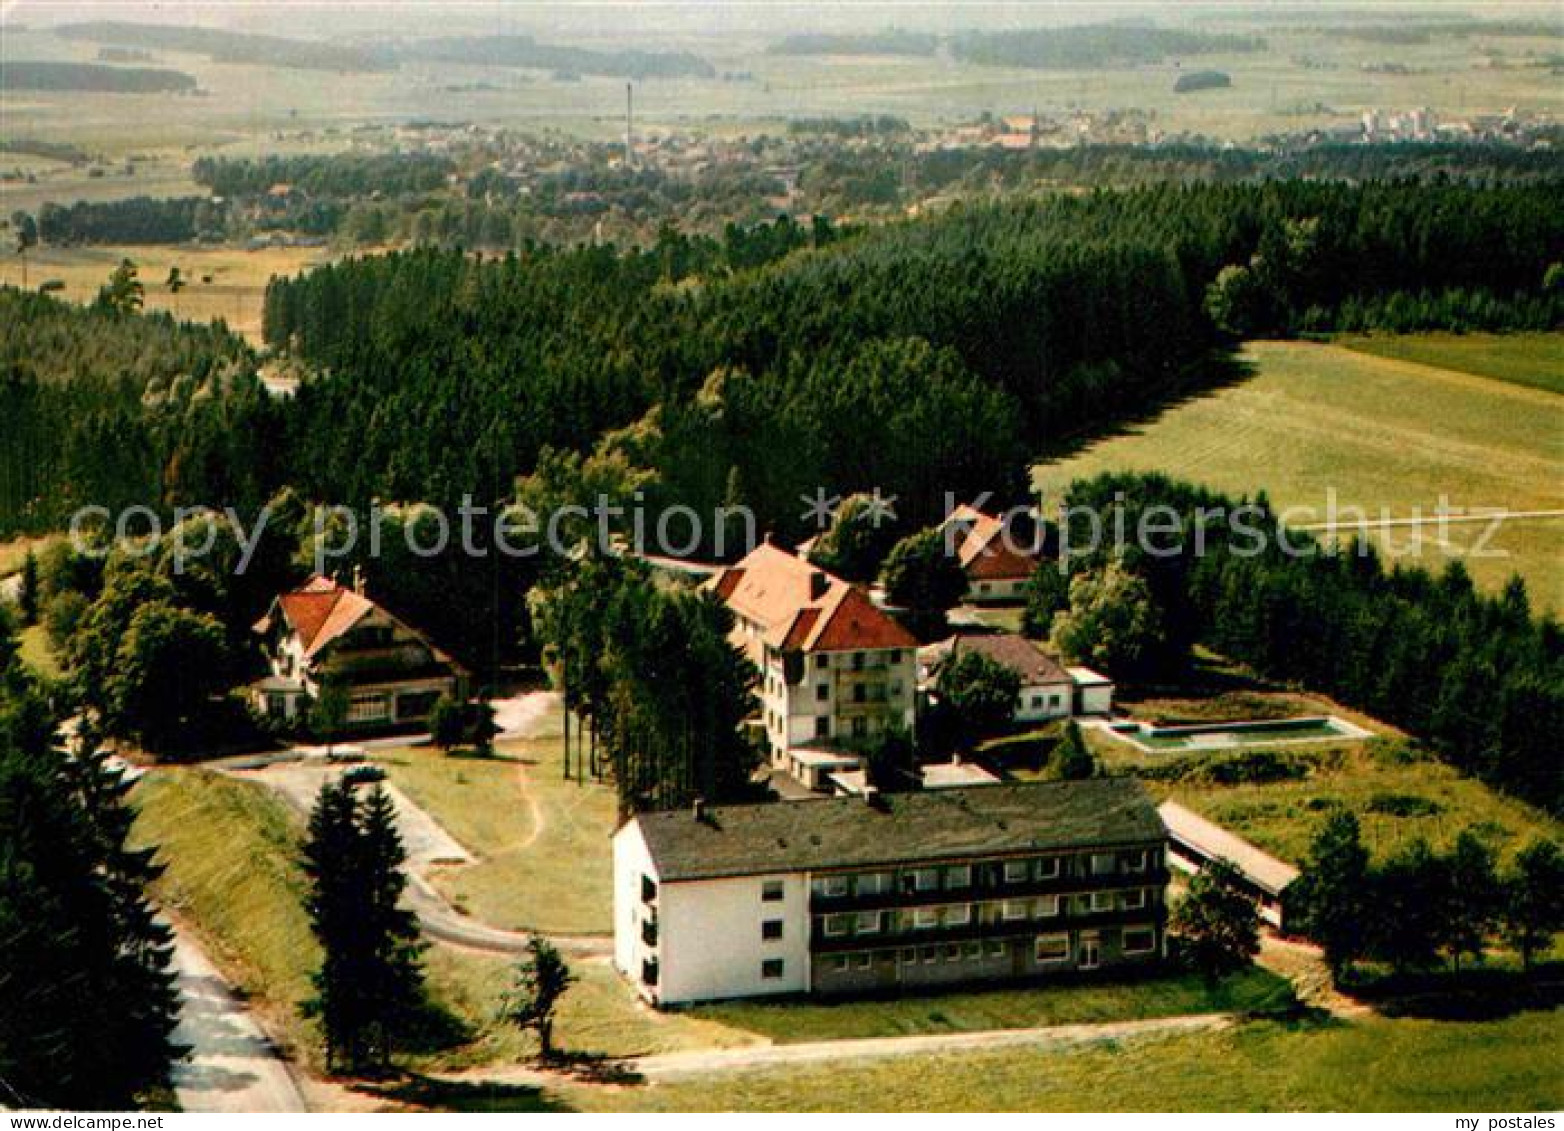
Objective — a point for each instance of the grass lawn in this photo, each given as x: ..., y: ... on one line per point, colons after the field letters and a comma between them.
x: 1007, y: 1008
x: 1379, y: 434
x: 1375, y: 780
x: 233, y: 875
x: 542, y: 842
x: 1535, y: 360
x: 599, y: 1015
x: 1405, y: 1065
x: 38, y: 654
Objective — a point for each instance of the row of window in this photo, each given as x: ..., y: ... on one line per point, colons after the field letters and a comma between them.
x: 987, y: 912
x: 955, y: 877
x: 1046, y: 949
x: 1055, y: 949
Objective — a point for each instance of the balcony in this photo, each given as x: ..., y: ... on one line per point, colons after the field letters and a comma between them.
x: 977, y: 928
x: 983, y: 888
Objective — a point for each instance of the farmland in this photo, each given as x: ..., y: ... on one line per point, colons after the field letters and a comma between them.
x: 1534, y: 360
x: 1307, y: 74
x: 225, y: 283
x: 1316, y: 423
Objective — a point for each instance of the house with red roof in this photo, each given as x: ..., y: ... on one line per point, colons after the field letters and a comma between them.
x: 997, y: 566
x: 833, y: 666
x: 325, y: 632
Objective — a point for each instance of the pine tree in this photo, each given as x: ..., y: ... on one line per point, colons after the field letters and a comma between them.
x: 87, y: 1000
x: 332, y: 862
x: 370, y: 981
x: 1070, y: 760
x: 28, y: 597
x: 395, y: 986
x: 541, y: 980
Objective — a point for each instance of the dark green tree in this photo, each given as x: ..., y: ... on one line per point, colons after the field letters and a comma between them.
x: 1070, y: 760
x: 447, y: 724
x: 1533, y: 894
x: 856, y: 542
x: 542, y: 978
x: 123, y: 293
x: 28, y: 597
x: 920, y: 576
x: 1217, y: 923
x: 1475, y: 900
x: 1412, y: 900
x: 328, y: 714
x: 1332, y: 896
x: 88, y: 1004
x: 980, y: 692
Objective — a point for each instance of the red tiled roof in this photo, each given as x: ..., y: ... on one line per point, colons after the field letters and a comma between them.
x: 983, y: 553
x: 801, y: 607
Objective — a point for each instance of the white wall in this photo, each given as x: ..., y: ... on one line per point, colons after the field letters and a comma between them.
x: 1026, y: 713
x: 631, y: 862
x: 710, y: 938
x: 1097, y: 699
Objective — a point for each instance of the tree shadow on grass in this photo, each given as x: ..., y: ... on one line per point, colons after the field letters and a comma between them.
x: 430, y: 1027
x: 1218, y: 370
x: 593, y: 1068
x: 430, y: 1094
x: 1472, y: 995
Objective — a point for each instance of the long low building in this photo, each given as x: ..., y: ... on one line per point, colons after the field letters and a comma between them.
x: 1193, y: 842
x: 885, y: 892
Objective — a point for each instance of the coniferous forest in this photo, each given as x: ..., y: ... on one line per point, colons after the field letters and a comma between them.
x: 921, y: 357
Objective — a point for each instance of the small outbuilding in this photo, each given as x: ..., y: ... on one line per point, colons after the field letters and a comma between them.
x: 1193, y: 842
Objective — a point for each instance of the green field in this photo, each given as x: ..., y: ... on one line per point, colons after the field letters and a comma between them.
x: 235, y: 293
x: 1305, y: 77
x: 542, y: 842
x: 1533, y: 360
x: 1024, y: 1007
x: 1409, y: 1065
x: 1316, y: 422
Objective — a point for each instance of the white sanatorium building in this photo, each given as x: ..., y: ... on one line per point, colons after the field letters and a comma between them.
x: 871, y: 894
x: 831, y: 665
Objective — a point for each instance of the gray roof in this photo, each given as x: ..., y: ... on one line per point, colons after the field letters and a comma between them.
x: 1214, y: 842
x: 852, y: 832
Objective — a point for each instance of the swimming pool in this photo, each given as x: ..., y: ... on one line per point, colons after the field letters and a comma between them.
x: 1226, y: 735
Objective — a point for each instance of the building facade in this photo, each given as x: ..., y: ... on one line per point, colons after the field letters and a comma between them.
x: 832, y: 666
x: 889, y: 893
x: 997, y: 568
x: 324, y: 632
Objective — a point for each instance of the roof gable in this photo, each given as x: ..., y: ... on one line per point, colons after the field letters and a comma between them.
x: 799, y: 606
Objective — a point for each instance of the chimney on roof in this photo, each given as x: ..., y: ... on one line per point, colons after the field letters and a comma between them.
x: 358, y: 580
x: 818, y: 584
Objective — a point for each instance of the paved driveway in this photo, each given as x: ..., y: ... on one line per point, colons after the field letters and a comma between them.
x: 232, y: 1066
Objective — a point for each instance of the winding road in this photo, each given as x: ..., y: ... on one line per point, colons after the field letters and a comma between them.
x: 232, y: 1066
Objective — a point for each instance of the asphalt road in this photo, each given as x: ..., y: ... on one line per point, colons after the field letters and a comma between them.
x: 232, y: 1066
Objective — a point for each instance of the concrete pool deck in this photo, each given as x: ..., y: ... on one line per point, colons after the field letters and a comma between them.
x: 1198, y: 737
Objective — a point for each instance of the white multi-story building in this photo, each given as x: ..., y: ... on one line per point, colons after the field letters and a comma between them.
x: 889, y: 892
x: 833, y: 667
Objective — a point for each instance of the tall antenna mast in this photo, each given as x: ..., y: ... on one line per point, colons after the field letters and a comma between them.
x: 629, y: 125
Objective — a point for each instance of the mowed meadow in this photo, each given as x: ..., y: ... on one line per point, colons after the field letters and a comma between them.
x: 219, y: 282
x: 1393, y: 437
